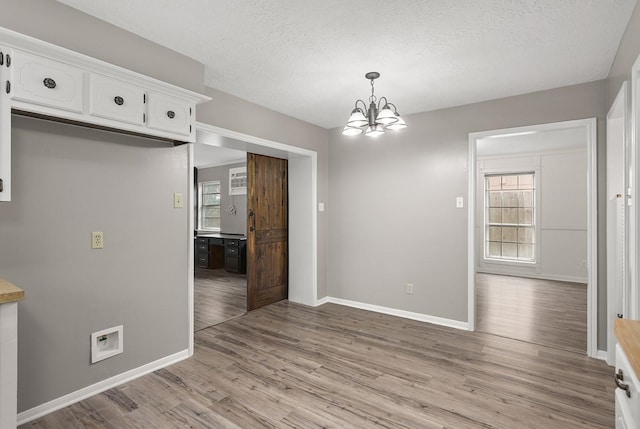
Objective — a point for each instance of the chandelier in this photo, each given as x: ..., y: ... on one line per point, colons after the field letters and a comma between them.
x: 375, y: 120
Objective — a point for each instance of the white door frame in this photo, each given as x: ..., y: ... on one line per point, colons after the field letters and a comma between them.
x: 592, y: 219
x: 633, y: 233
x: 303, y: 222
x: 617, y: 161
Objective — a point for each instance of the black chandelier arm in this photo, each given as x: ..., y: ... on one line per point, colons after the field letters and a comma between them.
x: 364, y: 109
x: 395, y: 110
x: 380, y: 102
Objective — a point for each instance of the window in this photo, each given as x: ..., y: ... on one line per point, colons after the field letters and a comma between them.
x: 510, y: 217
x: 209, y: 197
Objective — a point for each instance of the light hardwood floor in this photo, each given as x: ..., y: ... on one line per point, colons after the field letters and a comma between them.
x: 544, y: 312
x: 291, y: 366
x: 218, y: 296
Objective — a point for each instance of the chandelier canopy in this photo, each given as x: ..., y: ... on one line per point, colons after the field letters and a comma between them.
x: 373, y: 121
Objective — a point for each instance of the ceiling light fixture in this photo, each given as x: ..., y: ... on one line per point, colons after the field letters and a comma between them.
x: 375, y: 120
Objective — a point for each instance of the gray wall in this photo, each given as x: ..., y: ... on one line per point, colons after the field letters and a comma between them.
x: 233, y: 113
x: 69, y: 181
x: 561, y: 215
x: 393, y: 218
x: 628, y: 51
x: 229, y: 223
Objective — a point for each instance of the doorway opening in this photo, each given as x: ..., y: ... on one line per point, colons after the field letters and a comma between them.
x: 533, y: 234
x: 302, y: 215
x: 220, y: 233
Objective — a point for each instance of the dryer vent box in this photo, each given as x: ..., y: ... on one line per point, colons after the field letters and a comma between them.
x: 106, y: 343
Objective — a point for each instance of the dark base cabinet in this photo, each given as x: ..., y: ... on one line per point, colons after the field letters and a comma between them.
x: 209, y: 252
x: 218, y: 252
x: 235, y: 256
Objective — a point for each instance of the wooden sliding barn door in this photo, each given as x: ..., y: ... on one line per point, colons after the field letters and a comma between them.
x: 267, y: 241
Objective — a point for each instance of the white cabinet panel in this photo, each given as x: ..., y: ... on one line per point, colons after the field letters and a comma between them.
x: 170, y: 114
x: 5, y: 127
x: 117, y: 100
x: 45, y: 82
x: 627, y: 405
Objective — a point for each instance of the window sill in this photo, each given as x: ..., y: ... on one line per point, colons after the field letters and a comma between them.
x: 513, y: 263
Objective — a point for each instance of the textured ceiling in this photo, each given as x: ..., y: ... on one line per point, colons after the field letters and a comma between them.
x: 307, y: 59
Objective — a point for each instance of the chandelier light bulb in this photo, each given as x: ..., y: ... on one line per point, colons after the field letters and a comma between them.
x: 374, y: 130
x: 398, y: 125
x: 351, y: 131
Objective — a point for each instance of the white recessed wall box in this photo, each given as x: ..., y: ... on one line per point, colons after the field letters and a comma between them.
x: 106, y: 343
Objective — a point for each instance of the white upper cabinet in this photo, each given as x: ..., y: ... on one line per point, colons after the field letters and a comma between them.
x: 117, y: 100
x: 45, y: 82
x: 42, y: 79
x: 169, y: 114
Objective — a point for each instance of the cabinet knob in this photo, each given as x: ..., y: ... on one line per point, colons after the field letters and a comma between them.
x: 49, y: 83
x: 171, y: 114
x: 118, y: 100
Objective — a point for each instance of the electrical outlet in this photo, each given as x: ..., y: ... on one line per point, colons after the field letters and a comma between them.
x: 97, y: 240
x: 410, y: 288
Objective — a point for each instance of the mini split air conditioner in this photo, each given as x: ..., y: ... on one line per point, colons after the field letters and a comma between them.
x: 238, y: 181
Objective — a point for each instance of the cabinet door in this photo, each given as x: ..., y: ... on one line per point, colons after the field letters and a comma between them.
x: 170, y: 114
x: 5, y: 127
x: 45, y: 82
x: 114, y: 99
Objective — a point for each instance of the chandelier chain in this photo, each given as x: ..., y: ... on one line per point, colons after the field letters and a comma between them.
x: 373, y: 98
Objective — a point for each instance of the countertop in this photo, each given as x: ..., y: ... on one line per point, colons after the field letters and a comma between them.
x: 628, y: 334
x: 221, y: 235
x: 9, y: 292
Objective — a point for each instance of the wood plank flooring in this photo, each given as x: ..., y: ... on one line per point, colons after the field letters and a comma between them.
x: 546, y: 312
x: 291, y: 366
x: 218, y: 296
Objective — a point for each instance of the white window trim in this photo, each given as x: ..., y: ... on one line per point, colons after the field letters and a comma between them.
x: 486, y: 263
x: 200, y: 220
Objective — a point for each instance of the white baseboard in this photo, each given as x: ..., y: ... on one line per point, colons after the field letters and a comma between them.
x: 321, y: 301
x: 101, y: 386
x: 602, y: 355
x: 399, y: 313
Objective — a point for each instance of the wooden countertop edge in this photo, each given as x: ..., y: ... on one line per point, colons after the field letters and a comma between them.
x: 628, y: 334
x: 9, y: 292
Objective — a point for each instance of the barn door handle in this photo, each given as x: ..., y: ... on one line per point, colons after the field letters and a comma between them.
x: 252, y: 215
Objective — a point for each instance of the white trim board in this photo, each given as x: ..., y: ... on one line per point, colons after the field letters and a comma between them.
x: 618, y: 122
x: 395, y: 312
x: 633, y: 234
x: 589, y: 125
x: 99, y: 387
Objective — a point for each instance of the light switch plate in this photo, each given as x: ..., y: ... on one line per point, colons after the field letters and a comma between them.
x: 459, y: 202
x: 178, y: 201
x: 320, y: 207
